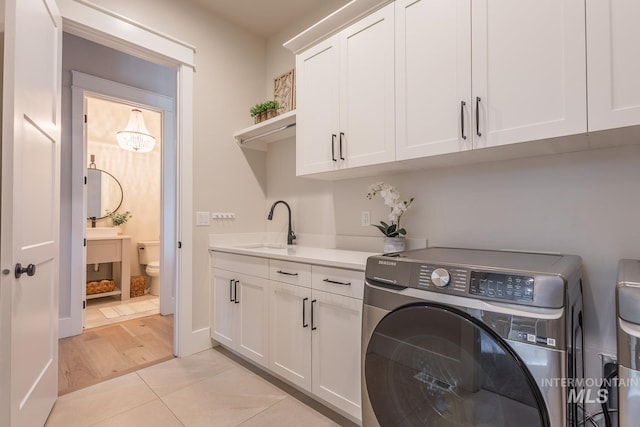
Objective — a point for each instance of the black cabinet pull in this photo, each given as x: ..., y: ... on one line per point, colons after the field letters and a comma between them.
x: 462, y: 104
x: 341, y: 136
x: 29, y: 269
x: 235, y: 286
x: 231, y: 290
x: 313, y: 325
x: 333, y: 147
x: 336, y: 282
x: 304, y: 313
x: 286, y: 273
x: 478, y: 116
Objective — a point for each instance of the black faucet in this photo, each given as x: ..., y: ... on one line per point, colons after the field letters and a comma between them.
x: 290, y: 234
x: 93, y: 222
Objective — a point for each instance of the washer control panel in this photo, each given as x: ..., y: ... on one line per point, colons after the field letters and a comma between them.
x: 445, y: 278
x: 502, y: 286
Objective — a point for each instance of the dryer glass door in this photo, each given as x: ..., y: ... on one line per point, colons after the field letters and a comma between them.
x: 432, y: 365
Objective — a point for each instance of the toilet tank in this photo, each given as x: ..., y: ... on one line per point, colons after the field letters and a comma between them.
x: 148, y: 251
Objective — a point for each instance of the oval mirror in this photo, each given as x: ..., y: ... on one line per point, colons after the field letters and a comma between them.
x: 104, y: 193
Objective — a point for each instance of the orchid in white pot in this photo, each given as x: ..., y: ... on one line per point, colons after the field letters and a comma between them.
x: 398, y: 206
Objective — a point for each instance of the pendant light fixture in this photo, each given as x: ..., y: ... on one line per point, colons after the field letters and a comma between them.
x: 136, y: 136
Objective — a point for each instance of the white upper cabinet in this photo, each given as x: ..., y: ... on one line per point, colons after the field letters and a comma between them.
x: 613, y: 36
x: 318, y: 98
x: 345, y: 98
x: 367, y: 106
x: 474, y: 74
x: 433, y: 81
x: 529, y: 70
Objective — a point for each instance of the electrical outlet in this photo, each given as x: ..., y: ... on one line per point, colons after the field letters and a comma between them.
x: 366, y: 218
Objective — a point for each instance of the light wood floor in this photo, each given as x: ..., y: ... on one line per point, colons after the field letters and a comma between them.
x: 109, y: 351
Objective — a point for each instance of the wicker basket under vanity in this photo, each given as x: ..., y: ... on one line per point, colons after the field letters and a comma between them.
x: 138, y: 284
x: 100, y: 287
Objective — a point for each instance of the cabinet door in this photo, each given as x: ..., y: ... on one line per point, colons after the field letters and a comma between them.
x: 317, y: 105
x: 289, y: 332
x: 367, y: 92
x: 223, y: 324
x: 529, y: 70
x: 252, y: 306
x: 336, y: 350
x: 433, y: 80
x: 613, y: 36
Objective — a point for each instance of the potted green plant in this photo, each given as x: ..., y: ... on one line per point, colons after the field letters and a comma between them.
x: 265, y: 110
x: 394, y: 240
x: 118, y: 219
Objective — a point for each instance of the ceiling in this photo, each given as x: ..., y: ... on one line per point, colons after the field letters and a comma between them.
x: 264, y: 17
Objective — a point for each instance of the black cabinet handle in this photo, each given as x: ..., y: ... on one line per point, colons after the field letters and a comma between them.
x: 286, y: 273
x: 341, y: 136
x: 29, y: 269
x: 478, y: 116
x: 313, y: 326
x: 333, y: 147
x: 304, y: 313
x: 235, y: 292
x: 231, y: 290
x: 336, y: 282
x: 462, y: 104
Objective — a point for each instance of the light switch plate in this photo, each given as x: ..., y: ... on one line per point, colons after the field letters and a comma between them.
x: 202, y: 218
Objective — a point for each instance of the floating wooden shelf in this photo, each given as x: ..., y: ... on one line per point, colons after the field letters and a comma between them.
x: 258, y: 136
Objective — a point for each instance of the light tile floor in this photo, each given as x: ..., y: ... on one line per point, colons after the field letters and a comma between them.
x: 212, y: 388
x: 134, y: 308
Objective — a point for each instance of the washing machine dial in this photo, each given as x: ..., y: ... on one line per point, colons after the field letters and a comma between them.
x: 440, y: 277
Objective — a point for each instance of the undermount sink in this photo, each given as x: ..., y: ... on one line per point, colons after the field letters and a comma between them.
x: 261, y: 246
x: 101, y: 232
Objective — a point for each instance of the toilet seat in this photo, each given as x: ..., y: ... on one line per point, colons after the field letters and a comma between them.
x: 153, y: 267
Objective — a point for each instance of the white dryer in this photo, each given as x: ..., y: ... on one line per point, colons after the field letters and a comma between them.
x: 461, y: 337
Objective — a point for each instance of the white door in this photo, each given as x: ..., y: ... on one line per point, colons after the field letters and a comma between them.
x: 317, y: 103
x: 433, y: 77
x: 529, y: 70
x: 336, y: 336
x: 252, y: 317
x: 367, y: 91
x: 613, y: 36
x: 223, y: 305
x: 289, y: 329
x: 30, y: 212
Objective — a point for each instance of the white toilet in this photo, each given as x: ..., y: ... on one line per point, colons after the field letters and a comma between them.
x: 149, y: 255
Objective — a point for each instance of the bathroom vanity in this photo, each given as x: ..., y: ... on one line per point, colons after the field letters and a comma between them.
x: 116, y: 250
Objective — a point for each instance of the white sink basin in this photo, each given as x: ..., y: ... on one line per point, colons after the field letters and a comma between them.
x: 101, y: 232
x: 261, y: 246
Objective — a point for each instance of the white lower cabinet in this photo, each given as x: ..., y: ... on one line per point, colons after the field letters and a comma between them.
x: 239, y: 317
x: 315, y: 341
x: 299, y: 321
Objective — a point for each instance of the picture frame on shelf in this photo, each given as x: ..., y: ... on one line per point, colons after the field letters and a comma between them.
x: 284, y: 90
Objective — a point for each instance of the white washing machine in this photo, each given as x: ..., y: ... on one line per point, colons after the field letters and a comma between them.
x: 461, y: 337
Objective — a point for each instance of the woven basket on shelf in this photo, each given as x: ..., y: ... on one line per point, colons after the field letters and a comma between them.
x: 99, y: 287
x: 137, y: 286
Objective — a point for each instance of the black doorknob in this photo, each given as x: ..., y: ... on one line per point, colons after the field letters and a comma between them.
x: 29, y: 269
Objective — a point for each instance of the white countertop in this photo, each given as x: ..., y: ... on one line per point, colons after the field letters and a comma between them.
x: 354, y: 260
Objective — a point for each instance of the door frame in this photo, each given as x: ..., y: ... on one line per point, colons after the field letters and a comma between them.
x: 102, y: 26
x: 83, y: 85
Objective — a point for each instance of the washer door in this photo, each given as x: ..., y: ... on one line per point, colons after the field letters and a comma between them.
x: 433, y: 365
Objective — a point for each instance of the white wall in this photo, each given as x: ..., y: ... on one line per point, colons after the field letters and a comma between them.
x: 585, y: 203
